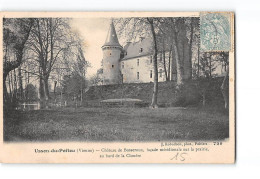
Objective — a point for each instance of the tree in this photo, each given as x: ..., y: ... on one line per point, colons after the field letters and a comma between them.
x: 146, y: 26
x: 179, y: 67
x: 51, y: 40
x: 73, y: 86
x: 224, y: 59
x: 155, y: 51
x: 16, y: 33
x: 193, y: 35
x: 225, y: 89
x: 31, y: 93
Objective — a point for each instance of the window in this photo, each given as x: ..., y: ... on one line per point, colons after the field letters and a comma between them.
x: 112, y: 66
x: 151, y: 74
x: 160, y: 72
x: 125, y: 53
x: 137, y: 62
x: 160, y: 57
x: 141, y: 50
x: 110, y: 54
x: 123, y: 65
x: 138, y: 75
x: 151, y: 59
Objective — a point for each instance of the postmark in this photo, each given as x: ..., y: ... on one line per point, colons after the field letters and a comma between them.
x: 215, y: 30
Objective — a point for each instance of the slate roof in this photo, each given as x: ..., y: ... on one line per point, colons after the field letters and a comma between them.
x: 133, y: 49
x: 112, y: 39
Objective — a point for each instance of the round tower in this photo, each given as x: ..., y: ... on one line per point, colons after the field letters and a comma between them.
x: 111, y: 56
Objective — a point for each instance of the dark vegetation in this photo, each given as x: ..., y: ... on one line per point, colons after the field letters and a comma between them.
x: 191, y: 93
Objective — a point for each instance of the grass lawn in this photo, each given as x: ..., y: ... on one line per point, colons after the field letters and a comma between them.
x: 116, y: 124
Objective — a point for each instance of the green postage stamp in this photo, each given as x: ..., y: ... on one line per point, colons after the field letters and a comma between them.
x: 215, y: 31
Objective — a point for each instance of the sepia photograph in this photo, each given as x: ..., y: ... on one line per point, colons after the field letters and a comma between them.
x: 129, y: 89
x: 116, y: 79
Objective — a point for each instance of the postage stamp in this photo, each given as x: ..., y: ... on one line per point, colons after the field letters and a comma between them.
x: 215, y: 30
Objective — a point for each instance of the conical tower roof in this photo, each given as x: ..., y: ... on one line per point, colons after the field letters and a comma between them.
x: 112, y: 39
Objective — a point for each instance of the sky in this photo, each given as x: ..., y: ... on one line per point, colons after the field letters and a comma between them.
x: 93, y: 32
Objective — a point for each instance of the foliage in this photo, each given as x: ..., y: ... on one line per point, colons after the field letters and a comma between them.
x: 74, y: 85
x: 30, y: 93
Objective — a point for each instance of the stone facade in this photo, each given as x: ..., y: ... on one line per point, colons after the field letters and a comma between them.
x: 140, y: 69
x: 133, y: 63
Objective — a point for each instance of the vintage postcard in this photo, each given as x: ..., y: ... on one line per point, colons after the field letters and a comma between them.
x: 117, y: 87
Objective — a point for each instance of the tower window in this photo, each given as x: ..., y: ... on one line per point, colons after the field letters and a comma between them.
x: 112, y: 66
x: 160, y: 73
x: 137, y: 62
x: 151, y: 59
x: 123, y: 65
x: 151, y: 73
x: 138, y: 75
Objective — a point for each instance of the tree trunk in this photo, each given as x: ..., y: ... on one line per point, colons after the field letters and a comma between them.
x: 173, y: 65
x: 210, y: 67
x: 177, y: 57
x: 190, y: 51
x: 46, y: 89
x: 6, y: 97
x: 169, y: 64
x: 225, y: 89
x: 164, y: 63
x: 198, y: 61
x: 20, y: 83
x: 155, y: 88
x: 178, y: 65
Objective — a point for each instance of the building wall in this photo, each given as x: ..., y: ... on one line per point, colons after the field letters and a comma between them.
x: 130, y: 69
x: 111, y: 68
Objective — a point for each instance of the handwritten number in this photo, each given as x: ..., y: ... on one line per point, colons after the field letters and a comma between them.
x: 179, y: 156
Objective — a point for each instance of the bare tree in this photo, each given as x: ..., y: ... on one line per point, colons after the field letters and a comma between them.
x: 51, y: 38
x: 146, y: 26
x: 155, y: 88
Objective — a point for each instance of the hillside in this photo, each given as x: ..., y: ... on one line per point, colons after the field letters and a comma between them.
x: 191, y: 93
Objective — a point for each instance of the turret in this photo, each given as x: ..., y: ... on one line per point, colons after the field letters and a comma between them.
x: 111, y: 56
